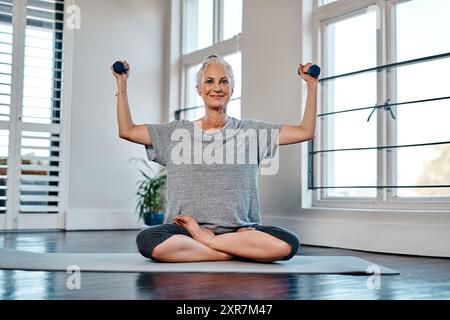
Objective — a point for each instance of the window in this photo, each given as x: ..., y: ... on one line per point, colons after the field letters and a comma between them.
x: 384, y: 138
x: 232, y: 18
x: 199, y: 24
x: 426, y: 165
x: 325, y: 2
x: 209, y: 27
x: 31, y: 92
x: 351, y: 168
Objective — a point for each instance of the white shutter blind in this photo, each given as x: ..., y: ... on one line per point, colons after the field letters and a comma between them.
x: 41, y: 107
x: 6, y: 51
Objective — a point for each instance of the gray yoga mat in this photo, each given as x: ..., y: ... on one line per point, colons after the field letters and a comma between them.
x: 134, y: 262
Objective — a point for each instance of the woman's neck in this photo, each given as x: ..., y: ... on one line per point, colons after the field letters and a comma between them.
x: 214, y: 119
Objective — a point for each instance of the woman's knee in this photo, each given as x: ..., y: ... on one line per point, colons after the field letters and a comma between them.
x: 294, y: 243
x: 175, y: 243
x: 290, y: 241
x: 283, y: 249
x: 149, y: 238
x: 145, y: 241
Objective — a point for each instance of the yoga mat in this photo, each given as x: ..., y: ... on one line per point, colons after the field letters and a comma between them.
x: 134, y: 262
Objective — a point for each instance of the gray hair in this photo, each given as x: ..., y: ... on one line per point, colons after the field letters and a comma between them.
x: 214, y: 59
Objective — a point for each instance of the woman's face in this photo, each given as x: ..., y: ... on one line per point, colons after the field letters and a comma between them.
x: 215, y: 88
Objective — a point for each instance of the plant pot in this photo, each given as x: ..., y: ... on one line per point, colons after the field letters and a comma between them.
x: 154, y: 218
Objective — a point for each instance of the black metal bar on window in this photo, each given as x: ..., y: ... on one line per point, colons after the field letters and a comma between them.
x: 179, y: 111
x: 384, y: 105
x: 387, y: 66
x: 382, y: 187
x: 311, y: 153
x: 311, y: 173
x: 383, y: 147
x: 310, y: 164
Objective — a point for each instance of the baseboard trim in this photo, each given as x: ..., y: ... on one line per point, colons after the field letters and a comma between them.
x: 374, y: 235
x: 80, y: 219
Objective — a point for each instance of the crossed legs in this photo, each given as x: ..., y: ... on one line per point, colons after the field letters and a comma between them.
x: 181, y: 248
x: 201, y: 244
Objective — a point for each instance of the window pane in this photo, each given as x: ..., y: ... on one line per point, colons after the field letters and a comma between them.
x: 351, y: 168
x: 234, y: 108
x: 232, y: 18
x: 423, y: 122
x: 324, y: 2
x: 199, y: 24
x: 428, y: 165
x: 422, y: 28
x: 351, y: 130
x: 193, y: 99
x: 351, y: 44
x: 235, y: 61
x: 351, y: 92
x: 413, y: 81
x: 193, y: 114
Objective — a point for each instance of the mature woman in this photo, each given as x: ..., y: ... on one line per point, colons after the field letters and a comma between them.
x: 213, y: 207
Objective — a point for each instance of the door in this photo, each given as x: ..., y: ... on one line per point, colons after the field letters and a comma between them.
x: 31, y: 95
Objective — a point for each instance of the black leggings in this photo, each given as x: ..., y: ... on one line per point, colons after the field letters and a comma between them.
x: 148, y: 238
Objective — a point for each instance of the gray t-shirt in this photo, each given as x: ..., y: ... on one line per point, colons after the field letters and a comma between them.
x: 213, y: 176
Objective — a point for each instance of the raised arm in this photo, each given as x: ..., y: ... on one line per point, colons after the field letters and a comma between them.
x: 127, y: 129
x: 306, y: 130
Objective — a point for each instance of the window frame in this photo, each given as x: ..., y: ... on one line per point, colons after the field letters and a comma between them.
x: 386, y: 129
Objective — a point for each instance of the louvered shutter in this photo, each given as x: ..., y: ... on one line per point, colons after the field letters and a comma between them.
x: 6, y: 51
x: 40, y: 178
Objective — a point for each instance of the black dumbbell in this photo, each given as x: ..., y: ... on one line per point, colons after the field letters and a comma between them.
x: 119, y: 67
x: 313, y: 71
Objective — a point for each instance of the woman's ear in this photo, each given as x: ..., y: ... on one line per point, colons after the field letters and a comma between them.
x: 198, y: 91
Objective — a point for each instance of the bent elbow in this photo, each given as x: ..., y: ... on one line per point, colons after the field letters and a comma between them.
x: 123, y: 136
x: 309, y: 136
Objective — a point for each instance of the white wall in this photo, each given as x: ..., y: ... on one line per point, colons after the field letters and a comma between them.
x: 271, y: 53
x: 101, y: 190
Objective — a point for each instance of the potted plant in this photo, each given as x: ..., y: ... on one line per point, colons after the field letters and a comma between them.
x: 150, y: 194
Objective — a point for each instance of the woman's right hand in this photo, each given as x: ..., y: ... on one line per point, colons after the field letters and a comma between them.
x: 124, y: 76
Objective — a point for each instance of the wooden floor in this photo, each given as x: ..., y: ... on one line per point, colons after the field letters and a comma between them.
x: 420, y: 277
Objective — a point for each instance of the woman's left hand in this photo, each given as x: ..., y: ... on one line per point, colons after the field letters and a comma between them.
x: 303, y: 69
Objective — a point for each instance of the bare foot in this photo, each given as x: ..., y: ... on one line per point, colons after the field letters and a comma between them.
x: 199, y: 233
x: 245, y: 229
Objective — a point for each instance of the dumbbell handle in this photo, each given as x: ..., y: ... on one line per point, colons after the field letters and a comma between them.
x: 119, y: 67
x: 313, y: 71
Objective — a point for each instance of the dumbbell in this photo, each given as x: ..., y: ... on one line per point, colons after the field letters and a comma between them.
x: 119, y: 67
x: 313, y: 71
